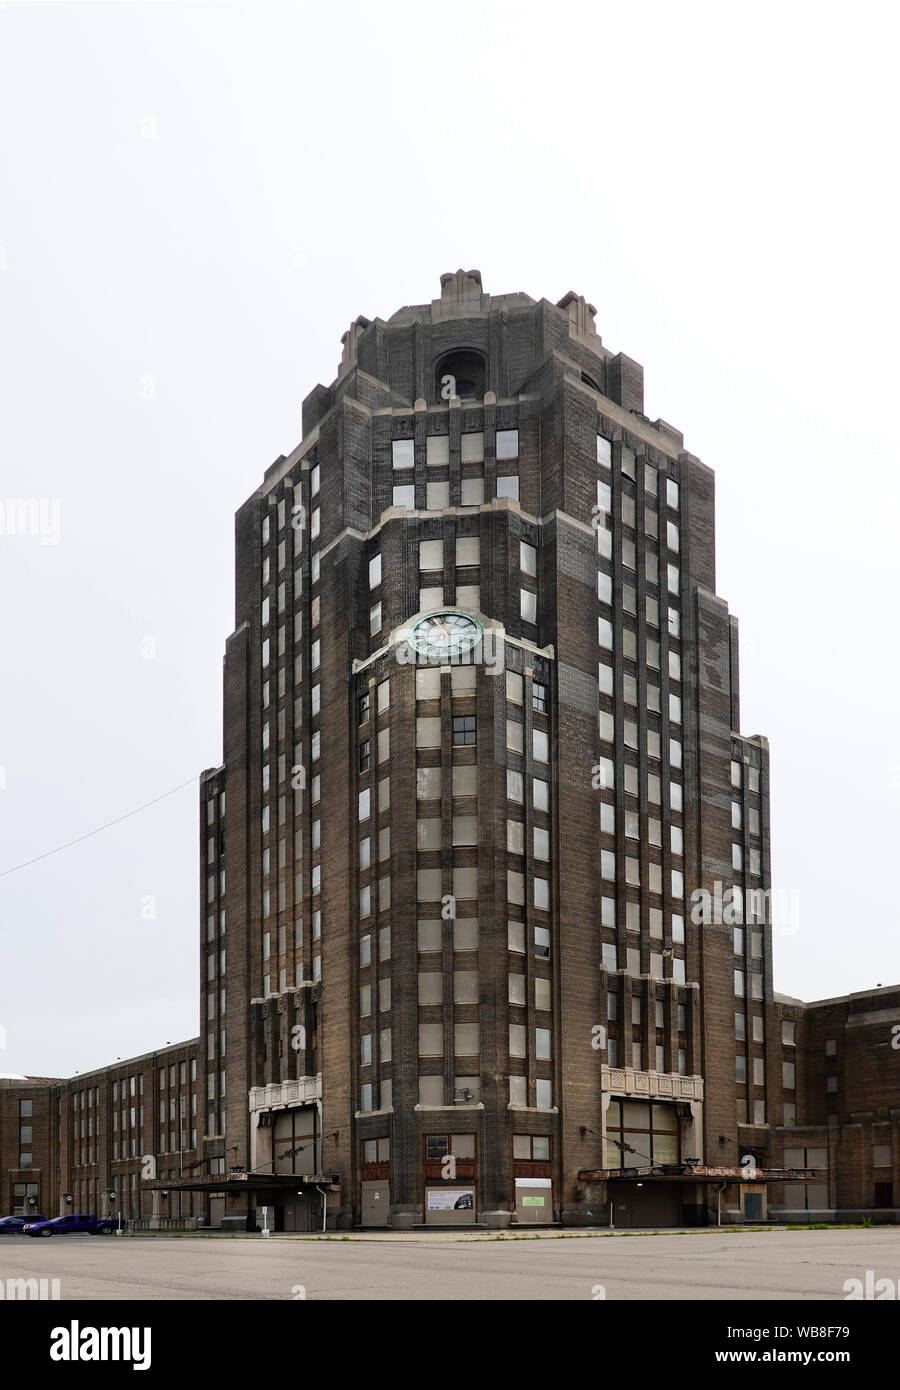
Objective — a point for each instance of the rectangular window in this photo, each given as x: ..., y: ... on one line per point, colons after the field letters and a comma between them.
x: 437, y: 496
x: 431, y: 557
x: 404, y: 496
x: 437, y: 450
x: 430, y: 598
x: 471, y: 492
x: 463, y: 729
x: 403, y: 453
x: 471, y: 448
x: 507, y: 444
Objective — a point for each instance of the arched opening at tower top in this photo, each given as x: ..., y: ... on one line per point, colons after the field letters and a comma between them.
x: 460, y: 373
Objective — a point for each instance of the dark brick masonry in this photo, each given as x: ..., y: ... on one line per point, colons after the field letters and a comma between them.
x: 467, y: 943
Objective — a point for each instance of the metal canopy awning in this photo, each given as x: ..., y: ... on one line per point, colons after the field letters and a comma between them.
x: 241, y: 1182
x: 698, y: 1174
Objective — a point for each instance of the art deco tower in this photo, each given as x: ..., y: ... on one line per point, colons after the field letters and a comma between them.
x: 480, y: 758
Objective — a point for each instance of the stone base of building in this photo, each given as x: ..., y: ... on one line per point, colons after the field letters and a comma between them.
x: 838, y: 1216
x: 497, y: 1220
x: 580, y: 1215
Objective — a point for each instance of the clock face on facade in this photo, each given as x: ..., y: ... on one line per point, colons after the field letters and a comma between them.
x: 446, y: 633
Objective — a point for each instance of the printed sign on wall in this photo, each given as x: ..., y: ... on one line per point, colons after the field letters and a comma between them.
x: 450, y: 1198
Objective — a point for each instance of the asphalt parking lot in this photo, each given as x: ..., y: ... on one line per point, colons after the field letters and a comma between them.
x: 702, y: 1266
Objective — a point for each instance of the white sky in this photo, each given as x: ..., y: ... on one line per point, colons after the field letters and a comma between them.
x: 198, y: 201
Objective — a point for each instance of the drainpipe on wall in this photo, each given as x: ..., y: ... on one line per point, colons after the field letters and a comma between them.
x: 321, y: 1160
x: 320, y: 1137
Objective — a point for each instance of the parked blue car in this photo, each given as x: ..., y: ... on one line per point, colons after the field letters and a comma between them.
x: 70, y: 1225
x: 13, y: 1225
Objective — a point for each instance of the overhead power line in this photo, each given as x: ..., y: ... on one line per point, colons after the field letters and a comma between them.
x: 78, y: 839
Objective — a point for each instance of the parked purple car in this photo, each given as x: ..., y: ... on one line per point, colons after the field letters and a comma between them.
x: 12, y: 1225
x: 70, y: 1225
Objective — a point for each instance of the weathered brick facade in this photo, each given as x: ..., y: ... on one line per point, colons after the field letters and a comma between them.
x: 490, y: 938
x: 97, y: 1139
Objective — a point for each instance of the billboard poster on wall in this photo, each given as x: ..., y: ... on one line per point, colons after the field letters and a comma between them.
x: 450, y: 1198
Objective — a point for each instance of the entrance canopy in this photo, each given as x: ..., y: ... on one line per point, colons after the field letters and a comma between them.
x: 688, y: 1172
x: 242, y: 1182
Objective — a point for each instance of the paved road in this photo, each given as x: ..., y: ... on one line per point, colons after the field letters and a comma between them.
x: 701, y: 1266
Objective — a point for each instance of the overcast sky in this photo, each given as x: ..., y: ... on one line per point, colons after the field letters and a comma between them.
x: 198, y: 201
